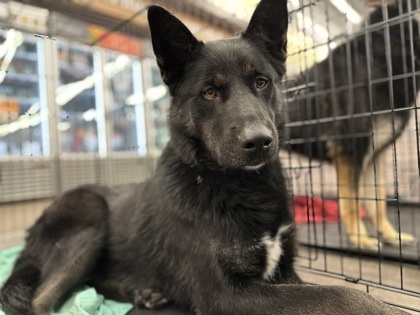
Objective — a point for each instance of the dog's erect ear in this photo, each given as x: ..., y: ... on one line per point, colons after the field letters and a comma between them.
x: 172, y: 43
x: 269, y: 25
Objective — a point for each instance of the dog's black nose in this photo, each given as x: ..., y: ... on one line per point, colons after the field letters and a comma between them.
x: 255, y: 139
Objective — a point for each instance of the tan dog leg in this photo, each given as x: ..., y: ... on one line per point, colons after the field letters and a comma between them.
x: 349, y: 205
x: 373, y: 189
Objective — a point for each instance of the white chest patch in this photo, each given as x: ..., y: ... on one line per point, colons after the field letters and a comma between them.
x: 273, y: 247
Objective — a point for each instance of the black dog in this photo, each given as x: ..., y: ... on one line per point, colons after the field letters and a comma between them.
x: 212, y: 229
x: 345, y: 115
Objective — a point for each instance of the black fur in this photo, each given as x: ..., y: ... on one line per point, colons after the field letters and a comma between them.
x: 193, y: 232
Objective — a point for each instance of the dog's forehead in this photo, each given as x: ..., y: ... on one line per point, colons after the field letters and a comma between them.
x: 234, y: 54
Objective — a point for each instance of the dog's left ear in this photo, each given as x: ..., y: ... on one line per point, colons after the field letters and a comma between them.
x: 268, y: 25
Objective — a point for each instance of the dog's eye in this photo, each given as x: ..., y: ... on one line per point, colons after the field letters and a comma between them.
x: 210, y: 93
x: 261, y: 83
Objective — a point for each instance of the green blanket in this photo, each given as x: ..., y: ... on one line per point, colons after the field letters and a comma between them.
x: 83, y: 302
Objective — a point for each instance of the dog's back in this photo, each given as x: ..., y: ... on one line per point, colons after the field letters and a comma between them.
x: 332, y: 106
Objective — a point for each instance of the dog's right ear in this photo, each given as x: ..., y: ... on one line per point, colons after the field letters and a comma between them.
x: 173, y: 43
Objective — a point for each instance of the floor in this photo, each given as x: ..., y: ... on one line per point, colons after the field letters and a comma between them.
x: 327, y: 235
x: 395, y: 282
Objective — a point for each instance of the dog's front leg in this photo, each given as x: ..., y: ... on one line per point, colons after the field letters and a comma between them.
x: 347, y: 179
x: 373, y: 188
x: 140, y: 297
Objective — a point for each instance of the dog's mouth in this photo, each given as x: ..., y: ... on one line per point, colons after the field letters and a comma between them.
x: 254, y: 167
x: 248, y: 160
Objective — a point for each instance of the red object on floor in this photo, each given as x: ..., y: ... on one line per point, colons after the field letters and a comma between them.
x: 316, y: 210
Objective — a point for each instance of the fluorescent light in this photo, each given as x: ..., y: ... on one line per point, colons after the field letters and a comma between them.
x: 33, y: 109
x: 89, y: 115
x: 345, y: 8
x: 23, y: 122
x: 295, y: 3
x: 69, y: 91
x: 156, y: 93
x: 321, y: 31
x: 8, y: 49
x: 134, y: 99
x: 63, y: 126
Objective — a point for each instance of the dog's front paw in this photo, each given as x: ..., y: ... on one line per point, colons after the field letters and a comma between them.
x: 149, y: 298
x: 365, y: 242
x: 394, y: 239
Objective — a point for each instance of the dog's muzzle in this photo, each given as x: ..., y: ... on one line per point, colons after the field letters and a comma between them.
x: 258, y: 144
x: 255, y: 139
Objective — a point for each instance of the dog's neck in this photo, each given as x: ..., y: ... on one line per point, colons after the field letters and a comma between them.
x: 243, y: 196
